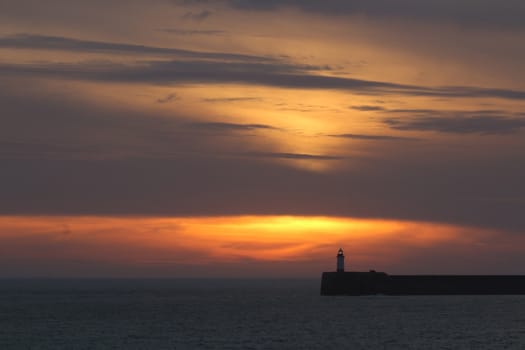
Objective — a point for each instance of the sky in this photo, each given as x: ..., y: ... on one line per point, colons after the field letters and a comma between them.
x: 245, y: 138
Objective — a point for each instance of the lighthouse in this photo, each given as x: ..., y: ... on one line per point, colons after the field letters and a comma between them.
x: 340, y: 261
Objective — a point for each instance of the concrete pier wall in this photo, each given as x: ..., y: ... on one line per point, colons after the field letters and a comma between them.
x: 368, y: 283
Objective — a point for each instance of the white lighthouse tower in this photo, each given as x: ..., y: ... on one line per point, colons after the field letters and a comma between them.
x: 340, y: 261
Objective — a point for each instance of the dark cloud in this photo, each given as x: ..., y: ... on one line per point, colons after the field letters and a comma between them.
x: 297, y: 156
x: 443, y: 112
x: 225, y: 68
x: 197, y: 16
x: 190, y: 2
x: 192, y: 32
x: 278, y: 74
x: 44, y: 42
x: 374, y: 137
x: 492, y: 13
x: 231, y: 99
x: 168, y: 98
x: 413, y: 111
x: 305, y: 108
x: 367, y: 108
x: 217, y: 126
x: 486, y: 125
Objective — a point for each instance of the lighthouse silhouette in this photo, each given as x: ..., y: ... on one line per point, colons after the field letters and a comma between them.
x: 340, y: 260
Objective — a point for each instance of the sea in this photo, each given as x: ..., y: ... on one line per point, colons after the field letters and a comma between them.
x: 246, y: 314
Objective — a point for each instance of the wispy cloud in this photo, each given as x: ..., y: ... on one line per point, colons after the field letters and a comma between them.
x: 168, y: 98
x: 218, y: 126
x: 412, y: 112
x: 485, y: 125
x: 482, y: 121
x: 231, y: 99
x: 374, y: 137
x: 297, y: 156
x: 197, y: 16
x: 187, y: 32
x: 367, y: 108
x: 45, y: 42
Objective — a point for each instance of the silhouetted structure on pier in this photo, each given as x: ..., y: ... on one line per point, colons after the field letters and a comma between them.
x: 372, y: 282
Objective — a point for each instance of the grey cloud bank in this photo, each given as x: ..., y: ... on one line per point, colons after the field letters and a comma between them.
x: 492, y: 13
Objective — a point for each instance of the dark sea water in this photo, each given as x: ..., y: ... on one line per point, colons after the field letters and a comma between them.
x: 237, y: 314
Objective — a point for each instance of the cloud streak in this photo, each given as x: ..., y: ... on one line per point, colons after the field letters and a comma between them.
x: 186, y: 32
x: 374, y: 137
x: 367, y: 108
x: 296, y: 156
x: 45, y: 42
x: 197, y: 16
x: 168, y: 98
x: 278, y: 74
x: 485, y: 125
x: 231, y: 99
x: 218, y: 126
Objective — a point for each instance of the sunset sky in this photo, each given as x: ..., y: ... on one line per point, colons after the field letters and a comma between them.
x: 250, y: 138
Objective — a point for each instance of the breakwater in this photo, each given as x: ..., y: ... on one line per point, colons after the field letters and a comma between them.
x: 369, y: 283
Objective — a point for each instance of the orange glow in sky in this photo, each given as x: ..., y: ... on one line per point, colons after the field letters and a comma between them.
x: 274, y: 245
